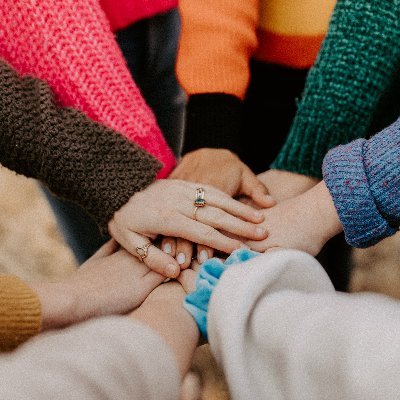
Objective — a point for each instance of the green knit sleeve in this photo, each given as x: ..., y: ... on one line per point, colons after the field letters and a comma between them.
x: 355, y: 66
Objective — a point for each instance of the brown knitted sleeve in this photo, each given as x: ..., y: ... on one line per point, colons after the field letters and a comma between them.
x: 20, y: 316
x: 78, y: 159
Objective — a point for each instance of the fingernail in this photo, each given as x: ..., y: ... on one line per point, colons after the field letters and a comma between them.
x: 203, y: 256
x: 167, y: 248
x: 244, y: 246
x: 258, y: 214
x: 181, y: 258
x: 260, y: 231
x: 171, y: 270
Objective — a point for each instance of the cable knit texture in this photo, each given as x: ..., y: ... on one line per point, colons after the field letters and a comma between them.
x: 363, y: 178
x: 20, y: 315
x: 75, y: 157
x: 69, y: 44
x: 356, y: 64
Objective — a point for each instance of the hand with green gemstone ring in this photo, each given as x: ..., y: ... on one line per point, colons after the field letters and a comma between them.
x: 167, y: 207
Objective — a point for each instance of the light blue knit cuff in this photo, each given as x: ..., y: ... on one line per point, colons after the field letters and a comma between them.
x: 196, y: 303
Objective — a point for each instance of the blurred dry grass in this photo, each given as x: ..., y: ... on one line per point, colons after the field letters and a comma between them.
x: 32, y: 248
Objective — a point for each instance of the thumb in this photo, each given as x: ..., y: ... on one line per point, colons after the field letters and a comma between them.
x: 252, y: 187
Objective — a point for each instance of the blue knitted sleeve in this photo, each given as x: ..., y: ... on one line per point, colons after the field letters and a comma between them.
x: 196, y: 303
x: 363, y: 178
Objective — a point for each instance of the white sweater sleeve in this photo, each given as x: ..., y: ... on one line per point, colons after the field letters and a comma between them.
x: 103, y: 359
x: 280, y: 331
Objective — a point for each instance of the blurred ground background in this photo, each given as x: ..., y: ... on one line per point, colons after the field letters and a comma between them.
x: 32, y: 248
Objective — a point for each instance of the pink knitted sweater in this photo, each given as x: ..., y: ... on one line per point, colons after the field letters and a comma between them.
x: 69, y: 44
x: 122, y: 13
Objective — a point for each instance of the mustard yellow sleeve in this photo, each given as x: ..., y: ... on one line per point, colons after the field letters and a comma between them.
x: 217, y: 40
x: 20, y: 312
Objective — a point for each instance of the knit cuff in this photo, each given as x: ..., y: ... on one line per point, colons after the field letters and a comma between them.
x: 196, y: 303
x: 345, y: 176
x: 381, y: 162
x: 20, y: 312
x: 213, y: 120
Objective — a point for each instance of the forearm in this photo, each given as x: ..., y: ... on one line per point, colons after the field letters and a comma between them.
x: 363, y: 178
x: 76, y: 158
x: 356, y: 63
x: 20, y: 312
x: 173, y: 323
x: 217, y: 41
x: 83, y: 65
x: 106, y: 358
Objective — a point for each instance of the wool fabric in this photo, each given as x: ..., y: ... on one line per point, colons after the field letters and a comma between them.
x: 70, y: 45
x: 356, y: 65
x: 363, y: 178
x: 78, y: 159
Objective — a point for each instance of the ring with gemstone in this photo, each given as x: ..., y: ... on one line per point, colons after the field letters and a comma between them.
x: 199, y: 200
x: 142, y: 251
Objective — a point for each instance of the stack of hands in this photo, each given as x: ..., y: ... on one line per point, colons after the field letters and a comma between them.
x: 276, y: 209
x: 241, y: 210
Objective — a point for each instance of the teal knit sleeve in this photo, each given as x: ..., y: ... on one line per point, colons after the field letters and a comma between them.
x: 354, y: 67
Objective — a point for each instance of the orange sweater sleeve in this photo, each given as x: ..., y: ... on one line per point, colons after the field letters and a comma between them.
x: 217, y: 40
x: 20, y: 312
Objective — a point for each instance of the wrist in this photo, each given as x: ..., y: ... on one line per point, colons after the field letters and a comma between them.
x: 328, y: 218
x: 58, y: 303
x: 213, y: 120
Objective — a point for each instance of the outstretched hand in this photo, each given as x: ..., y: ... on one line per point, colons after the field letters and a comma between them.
x: 166, y: 207
x: 305, y: 222
x: 223, y: 170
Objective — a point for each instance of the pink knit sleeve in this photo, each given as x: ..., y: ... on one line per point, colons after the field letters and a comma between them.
x: 69, y: 44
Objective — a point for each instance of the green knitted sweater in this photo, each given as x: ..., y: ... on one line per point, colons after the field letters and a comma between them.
x: 355, y: 66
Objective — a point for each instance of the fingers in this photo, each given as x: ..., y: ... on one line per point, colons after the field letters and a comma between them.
x: 155, y: 259
x: 168, y: 246
x: 106, y: 250
x: 204, y: 253
x: 184, y: 251
x: 187, y: 279
x: 221, y: 200
x: 255, y: 189
x: 223, y: 221
x: 203, y: 234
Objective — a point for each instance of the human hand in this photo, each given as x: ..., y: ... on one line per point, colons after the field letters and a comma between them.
x: 283, y: 185
x: 305, y: 222
x: 111, y: 282
x: 225, y: 171
x: 167, y: 207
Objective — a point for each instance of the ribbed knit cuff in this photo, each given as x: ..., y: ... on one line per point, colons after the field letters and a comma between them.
x: 355, y: 65
x: 382, y: 167
x: 346, y: 179
x: 213, y: 120
x: 20, y: 312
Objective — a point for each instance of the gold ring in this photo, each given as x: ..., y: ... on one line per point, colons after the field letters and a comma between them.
x: 194, y: 212
x: 142, y: 251
x: 199, y: 200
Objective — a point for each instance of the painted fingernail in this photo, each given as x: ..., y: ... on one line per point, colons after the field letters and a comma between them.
x: 171, y: 270
x: 203, y: 256
x: 181, y: 258
x: 167, y: 248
